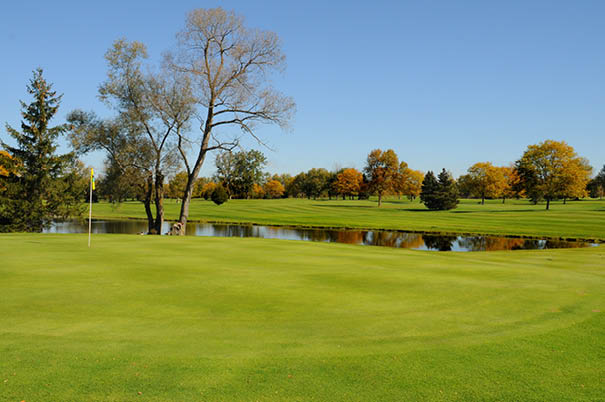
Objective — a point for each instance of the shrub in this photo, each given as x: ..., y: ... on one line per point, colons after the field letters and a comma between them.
x: 219, y: 195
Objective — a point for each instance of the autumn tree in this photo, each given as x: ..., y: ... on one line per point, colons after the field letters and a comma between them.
x: 286, y: 181
x: 230, y: 65
x: 348, y: 182
x: 485, y: 181
x: 400, y: 179
x: 512, y: 188
x: 38, y: 185
x: 413, y: 184
x: 408, y: 182
x: 551, y: 170
x: 575, y: 180
x: 381, y: 170
x: 274, y: 189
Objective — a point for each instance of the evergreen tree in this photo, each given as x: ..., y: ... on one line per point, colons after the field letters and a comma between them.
x: 45, y: 187
x: 430, y: 190
x: 448, y: 191
x: 441, y: 193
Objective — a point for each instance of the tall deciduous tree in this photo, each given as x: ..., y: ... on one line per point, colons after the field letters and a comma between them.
x: 40, y: 185
x: 413, y: 184
x: 154, y: 109
x: 486, y: 180
x: 382, y: 170
x: 512, y: 186
x: 229, y: 65
x: 157, y: 106
x: 551, y: 170
x: 348, y: 182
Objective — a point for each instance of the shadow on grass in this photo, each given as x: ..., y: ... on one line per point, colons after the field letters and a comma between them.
x: 347, y: 206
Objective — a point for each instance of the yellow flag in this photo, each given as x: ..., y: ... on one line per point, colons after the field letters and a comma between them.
x: 92, y: 177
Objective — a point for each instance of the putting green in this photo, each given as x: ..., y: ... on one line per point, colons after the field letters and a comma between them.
x: 222, y: 319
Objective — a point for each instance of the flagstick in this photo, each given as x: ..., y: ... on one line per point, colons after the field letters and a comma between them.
x: 90, y: 214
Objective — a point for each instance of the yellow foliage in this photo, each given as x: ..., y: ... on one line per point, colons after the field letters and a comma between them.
x: 348, y: 182
x: 274, y: 189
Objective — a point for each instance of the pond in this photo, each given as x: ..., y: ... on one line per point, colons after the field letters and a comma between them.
x: 384, y: 238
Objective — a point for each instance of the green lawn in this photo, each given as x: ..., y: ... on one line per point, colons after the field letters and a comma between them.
x: 230, y: 319
x: 576, y: 219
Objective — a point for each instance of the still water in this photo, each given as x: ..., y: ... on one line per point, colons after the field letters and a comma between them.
x: 385, y: 238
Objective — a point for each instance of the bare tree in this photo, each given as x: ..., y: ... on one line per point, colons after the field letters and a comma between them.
x: 158, y: 106
x: 229, y: 66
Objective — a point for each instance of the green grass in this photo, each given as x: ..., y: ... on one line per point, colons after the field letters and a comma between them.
x: 577, y: 219
x: 230, y: 319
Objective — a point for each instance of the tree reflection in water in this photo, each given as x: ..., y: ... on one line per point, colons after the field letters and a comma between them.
x: 438, y: 242
x: 382, y: 238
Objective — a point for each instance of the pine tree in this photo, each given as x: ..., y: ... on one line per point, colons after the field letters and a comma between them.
x: 448, y: 191
x: 45, y: 187
x: 441, y: 193
x: 430, y: 190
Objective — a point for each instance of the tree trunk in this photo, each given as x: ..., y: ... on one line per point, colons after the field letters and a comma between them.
x: 192, y: 176
x: 564, y: 200
x: 503, y: 199
x: 482, y: 200
x: 547, y: 203
x: 184, y: 215
x: 147, y: 203
x: 159, y: 202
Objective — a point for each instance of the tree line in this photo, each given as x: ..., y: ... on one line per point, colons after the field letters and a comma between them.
x: 169, y: 118
x: 37, y: 186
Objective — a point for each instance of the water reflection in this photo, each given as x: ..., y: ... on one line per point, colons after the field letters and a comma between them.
x: 382, y: 238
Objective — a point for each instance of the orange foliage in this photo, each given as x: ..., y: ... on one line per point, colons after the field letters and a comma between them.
x: 348, y: 182
x: 257, y: 191
x: 382, y: 170
x: 486, y: 180
x: 274, y: 189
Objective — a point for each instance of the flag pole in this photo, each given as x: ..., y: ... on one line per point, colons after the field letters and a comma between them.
x: 90, y: 208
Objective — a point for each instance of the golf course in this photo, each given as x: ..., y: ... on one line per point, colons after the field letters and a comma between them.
x: 235, y: 201
x: 576, y: 219
x: 155, y: 318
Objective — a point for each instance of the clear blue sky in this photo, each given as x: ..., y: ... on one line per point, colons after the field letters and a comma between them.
x: 443, y: 83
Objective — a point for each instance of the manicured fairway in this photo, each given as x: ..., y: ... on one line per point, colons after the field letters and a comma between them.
x: 141, y: 318
x: 576, y: 219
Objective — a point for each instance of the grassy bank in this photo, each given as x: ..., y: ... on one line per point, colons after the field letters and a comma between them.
x: 577, y: 219
x: 222, y: 319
